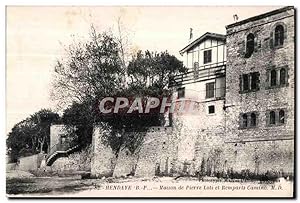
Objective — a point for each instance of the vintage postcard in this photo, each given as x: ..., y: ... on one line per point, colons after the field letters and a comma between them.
x: 150, y: 101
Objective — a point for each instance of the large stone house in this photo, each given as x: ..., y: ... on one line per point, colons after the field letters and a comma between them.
x: 260, y: 96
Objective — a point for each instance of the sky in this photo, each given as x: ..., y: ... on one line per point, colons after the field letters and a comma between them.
x: 35, y: 37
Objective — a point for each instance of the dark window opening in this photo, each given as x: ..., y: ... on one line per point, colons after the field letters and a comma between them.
x: 253, y: 119
x: 211, y: 109
x: 254, y: 80
x: 282, y: 76
x: 249, y: 45
x: 210, y: 90
x: 181, y: 92
x: 245, y: 82
x: 272, y: 117
x: 279, y: 35
x: 281, y: 116
x: 244, y: 120
x: 207, y: 56
x: 273, y: 77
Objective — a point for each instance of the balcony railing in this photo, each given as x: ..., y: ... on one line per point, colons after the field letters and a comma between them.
x: 203, y: 73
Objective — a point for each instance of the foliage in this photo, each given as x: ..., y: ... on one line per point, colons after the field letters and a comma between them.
x: 88, y: 70
x: 31, y: 135
x: 97, y: 69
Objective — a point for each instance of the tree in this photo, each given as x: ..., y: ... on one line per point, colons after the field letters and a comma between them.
x: 32, y: 135
x: 89, y: 70
x: 150, y: 72
x: 96, y: 69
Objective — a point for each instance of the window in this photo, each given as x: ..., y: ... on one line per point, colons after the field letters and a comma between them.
x: 277, y: 77
x: 279, y: 35
x: 272, y: 117
x: 249, y: 45
x: 250, y: 82
x: 248, y: 120
x: 245, y: 82
x: 63, y: 139
x: 244, y: 120
x: 207, y: 56
x: 254, y: 80
x: 282, y: 76
x: 253, y: 119
x: 211, y: 109
x: 181, y: 92
x: 210, y: 90
x: 281, y: 116
x: 273, y: 78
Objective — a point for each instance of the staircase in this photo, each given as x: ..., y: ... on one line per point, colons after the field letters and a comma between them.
x: 59, y: 150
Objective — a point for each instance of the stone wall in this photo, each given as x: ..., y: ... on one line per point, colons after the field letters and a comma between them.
x: 103, y: 157
x: 270, y: 143
x: 78, y: 161
x: 157, y: 153
x: 194, y: 129
x: 32, y: 162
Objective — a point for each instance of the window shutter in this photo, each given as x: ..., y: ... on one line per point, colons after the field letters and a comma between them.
x: 267, y: 118
x: 241, y: 83
x: 256, y: 44
x: 258, y: 81
x: 242, y: 48
x: 271, y: 40
x: 241, y: 120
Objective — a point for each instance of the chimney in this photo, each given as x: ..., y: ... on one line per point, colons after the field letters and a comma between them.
x: 191, y: 34
x: 235, y: 18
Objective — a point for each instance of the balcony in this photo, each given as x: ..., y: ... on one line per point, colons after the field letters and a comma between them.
x: 60, y: 150
x: 205, y: 72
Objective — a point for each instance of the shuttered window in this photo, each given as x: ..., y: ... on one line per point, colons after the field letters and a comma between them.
x: 207, y: 56
x: 210, y: 90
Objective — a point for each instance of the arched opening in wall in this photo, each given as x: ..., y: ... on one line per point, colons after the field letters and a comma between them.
x: 272, y: 117
x: 273, y: 78
x: 281, y: 116
x: 253, y: 119
x: 282, y: 76
x: 249, y: 45
x: 279, y: 35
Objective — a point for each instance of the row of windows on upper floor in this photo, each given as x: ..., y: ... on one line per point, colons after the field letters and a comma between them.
x: 276, y: 77
x: 273, y: 118
x: 277, y: 39
x: 211, y: 91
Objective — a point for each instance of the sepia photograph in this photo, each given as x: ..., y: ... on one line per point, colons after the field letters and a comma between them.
x: 150, y: 101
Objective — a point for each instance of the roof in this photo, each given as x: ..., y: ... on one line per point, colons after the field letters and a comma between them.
x: 258, y: 17
x: 201, y: 39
